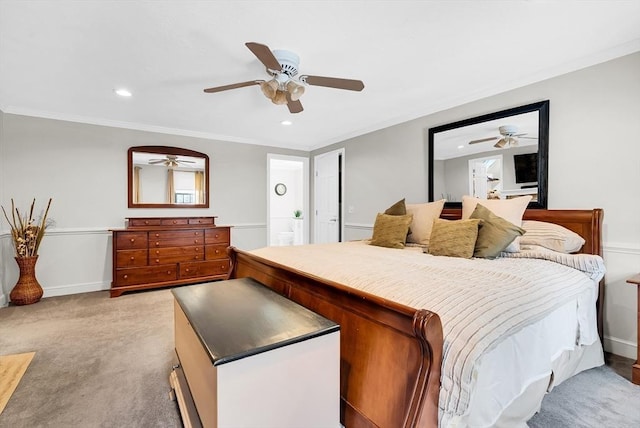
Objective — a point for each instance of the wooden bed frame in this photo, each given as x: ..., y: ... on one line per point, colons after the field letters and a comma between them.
x: 390, y: 353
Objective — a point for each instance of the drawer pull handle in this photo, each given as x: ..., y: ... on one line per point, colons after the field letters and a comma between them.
x: 157, y: 235
x: 197, y: 233
x: 157, y: 260
x: 223, y: 266
x: 217, y: 251
x: 125, y: 276
x: 197, y: 249
x: 132, y: 258
x: 216, y: 236
x: 146, y: 222
x: 195, y: 241
x: 168, y: 272
x: 157, y: 251
x: 175, y: 222
x: 186, y: 270
x: 157, y: 244
x: 133, y: 240
x: 197, y: 257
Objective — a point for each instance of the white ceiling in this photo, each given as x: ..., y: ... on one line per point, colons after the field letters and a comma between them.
x: 63, y: 59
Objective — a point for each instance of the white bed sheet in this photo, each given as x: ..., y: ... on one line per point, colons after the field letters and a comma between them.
x: 547, y: 350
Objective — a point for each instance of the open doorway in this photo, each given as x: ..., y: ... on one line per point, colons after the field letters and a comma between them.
x: 486, y: 177
x: 287, y: 200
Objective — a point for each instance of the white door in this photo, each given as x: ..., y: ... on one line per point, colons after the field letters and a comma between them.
x: 328, y: 186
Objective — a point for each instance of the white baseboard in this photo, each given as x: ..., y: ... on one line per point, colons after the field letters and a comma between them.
x: 63, y: 290
x: 621, y: 347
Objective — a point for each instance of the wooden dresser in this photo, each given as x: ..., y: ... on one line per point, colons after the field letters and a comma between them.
x: 156, y: 252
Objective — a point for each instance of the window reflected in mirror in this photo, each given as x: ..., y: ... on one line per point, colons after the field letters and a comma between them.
x: 167, y: 177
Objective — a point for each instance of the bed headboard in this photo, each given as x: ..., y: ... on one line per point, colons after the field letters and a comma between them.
x: 586, y: 223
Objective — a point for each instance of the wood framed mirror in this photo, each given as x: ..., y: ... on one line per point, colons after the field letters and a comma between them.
x: 167, y: 177
x: 499, y: 155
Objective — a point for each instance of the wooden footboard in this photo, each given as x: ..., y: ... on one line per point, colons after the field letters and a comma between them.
x: 390, y: 354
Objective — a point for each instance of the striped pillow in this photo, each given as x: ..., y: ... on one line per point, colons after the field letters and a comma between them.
x: 551, y: 236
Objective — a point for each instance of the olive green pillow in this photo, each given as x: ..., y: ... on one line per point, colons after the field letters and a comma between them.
x: 390, y: 230
x: 454, y: 238
x: 399, y: 208
x: 495, y: 234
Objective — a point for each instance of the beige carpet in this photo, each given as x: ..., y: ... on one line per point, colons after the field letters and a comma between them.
x: 12, y: 368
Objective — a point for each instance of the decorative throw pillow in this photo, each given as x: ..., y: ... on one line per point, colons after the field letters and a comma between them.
x: 423, y: 217
x: 511, y: 210
x: 552, y: 236
x: 390, y: 230
x: 399, y: 208
x: 495, y: 234
x: 454, y: 238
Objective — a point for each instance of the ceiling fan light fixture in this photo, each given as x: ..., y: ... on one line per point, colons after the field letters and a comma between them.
x: 280, y: 97
x: 269, y: 88
x: 295, y: 90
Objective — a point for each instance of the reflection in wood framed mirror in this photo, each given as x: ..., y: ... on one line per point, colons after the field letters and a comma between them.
x: 499, y: 155
x: 167, y: 177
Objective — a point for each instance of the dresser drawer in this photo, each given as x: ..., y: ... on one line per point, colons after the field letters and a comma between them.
x: 130, y: 240
x: 202, y: 220
x: 207, y: 268
x: 141, y: 275
x: 174, y: 221
x: 161, y: 238
x: 217, y: 236
x: 141, y: 222
x: 159, y: 256
x: 213, y: 252
x: 131, y: 258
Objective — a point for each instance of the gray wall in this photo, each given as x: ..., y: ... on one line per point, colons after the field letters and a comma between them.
x: 84, y: 169
x: 594, y: 161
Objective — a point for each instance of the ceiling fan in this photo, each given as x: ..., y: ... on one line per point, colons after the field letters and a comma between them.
x: 285, y: 86
x: 170, y: 161
x: 508, y: 137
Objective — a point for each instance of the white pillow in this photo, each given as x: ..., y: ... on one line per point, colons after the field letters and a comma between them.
x: 552, y: 236
x: 422, y: 223
x: 511, y: 210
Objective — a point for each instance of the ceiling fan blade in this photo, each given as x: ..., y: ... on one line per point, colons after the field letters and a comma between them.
x: 153, y: 162
x: 333, y: 82
x: 482, y: 141
x: 233, y: 86
x: 293, y: 106
x: 264, y: 54
x: 528, y: 138
x: 500, y: 144
x: 185, y: 161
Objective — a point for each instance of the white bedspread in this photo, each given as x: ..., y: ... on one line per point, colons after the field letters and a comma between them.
x: 479, y: 301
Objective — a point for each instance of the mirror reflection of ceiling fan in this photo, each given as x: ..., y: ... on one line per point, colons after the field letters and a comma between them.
x: 170, y: 161
x: 284, y: 85
x: 508, y: 137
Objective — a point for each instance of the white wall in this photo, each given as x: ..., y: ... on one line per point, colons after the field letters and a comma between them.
x: 84, y: 169
x: 594, y: 161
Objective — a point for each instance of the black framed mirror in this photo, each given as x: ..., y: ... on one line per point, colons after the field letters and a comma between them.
x: 167, y: 177
x: 499, y: 155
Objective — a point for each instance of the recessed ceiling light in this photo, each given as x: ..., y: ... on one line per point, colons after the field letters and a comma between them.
x: 461, y: 147
x: 122, y: 92
x: 286, y: 123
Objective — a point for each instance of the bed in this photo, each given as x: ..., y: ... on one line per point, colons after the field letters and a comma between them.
x: 392, y: 353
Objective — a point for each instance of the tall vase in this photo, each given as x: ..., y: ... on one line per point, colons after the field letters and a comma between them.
x: 27, y: 290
